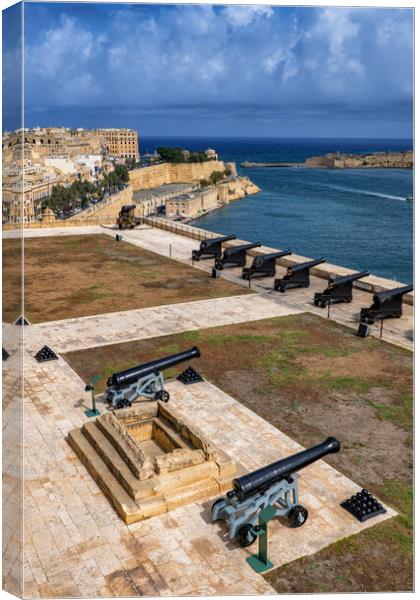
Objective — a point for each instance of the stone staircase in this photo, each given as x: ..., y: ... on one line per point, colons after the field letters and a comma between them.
x: 133, y: 498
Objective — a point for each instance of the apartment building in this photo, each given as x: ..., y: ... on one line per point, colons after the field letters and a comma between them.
x: 121, y: 143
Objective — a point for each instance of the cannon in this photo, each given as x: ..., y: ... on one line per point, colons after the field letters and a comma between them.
x: 275, y: 485
x: 234, y: 256
x: 297, y: 275
x: 339, y: 289
x: 263, y: 265
x: 386, y: 305
x: 211, y: 248
x: 126, y: 217
x: 144, y: 380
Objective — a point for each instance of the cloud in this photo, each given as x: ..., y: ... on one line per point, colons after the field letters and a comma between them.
x: 63, y: 59
x: 242, y: 16
x: 148, y: 56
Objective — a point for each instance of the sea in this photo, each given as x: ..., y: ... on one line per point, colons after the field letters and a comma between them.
x: 356, y: 218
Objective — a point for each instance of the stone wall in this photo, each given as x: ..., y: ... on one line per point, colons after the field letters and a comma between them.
x: 104, y: 213
x: 107, y: 209
x: 164, y: 173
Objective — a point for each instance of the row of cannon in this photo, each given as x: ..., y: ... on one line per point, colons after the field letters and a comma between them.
x: 386, y: 304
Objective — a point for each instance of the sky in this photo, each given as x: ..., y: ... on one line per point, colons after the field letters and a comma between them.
x: 202, y: 70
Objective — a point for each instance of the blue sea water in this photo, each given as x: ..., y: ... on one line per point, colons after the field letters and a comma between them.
x: 357, y: 218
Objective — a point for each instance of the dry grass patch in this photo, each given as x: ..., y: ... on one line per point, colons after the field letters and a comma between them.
x: 77, y: 276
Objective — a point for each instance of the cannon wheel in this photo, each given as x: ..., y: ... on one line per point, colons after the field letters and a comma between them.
x: 297, y: 516
x: 127, y: 403
x: 120, y: 404
x: 162, y: 395
x: 246, y: 535
x: 216, y: 508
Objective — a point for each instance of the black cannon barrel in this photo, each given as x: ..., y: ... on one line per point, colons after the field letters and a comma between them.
x: 305, y: 265
x: 128, y: 207
x: 247, y: 485
x: 234, y: 249
x: 262, y: 258
x: 211, y: 241
x: 341, y: 279
x: 130, y: 375
x: 381, y: 297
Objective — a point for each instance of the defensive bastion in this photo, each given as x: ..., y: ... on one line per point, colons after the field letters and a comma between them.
x: 148, y: 178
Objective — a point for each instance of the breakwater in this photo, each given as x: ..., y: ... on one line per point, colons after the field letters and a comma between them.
x: 336, y: 160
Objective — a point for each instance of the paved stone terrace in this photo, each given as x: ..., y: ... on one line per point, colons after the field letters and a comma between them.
x: 88, y: 332
x: 76, y: 545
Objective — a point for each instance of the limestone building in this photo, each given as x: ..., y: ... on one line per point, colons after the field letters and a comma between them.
x: 122, y: 143
x: 192, y: 204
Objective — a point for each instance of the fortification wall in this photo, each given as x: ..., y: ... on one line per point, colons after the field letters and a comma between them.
x: 164, y: 173
x: 235, y: 189
x: 107, y: 209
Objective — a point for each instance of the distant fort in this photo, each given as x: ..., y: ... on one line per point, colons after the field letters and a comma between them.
x: 336, y: 160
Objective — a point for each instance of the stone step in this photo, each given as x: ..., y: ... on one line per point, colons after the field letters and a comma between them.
x: 115, y: 463
x: 125, y: 506
x: 189, y: 475
x: 191, y: 493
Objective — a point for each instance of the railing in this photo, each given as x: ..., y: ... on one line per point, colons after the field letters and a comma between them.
x: 180, y: 228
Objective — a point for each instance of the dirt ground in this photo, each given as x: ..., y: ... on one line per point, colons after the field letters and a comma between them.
x: 312, y: 378
x: 76, y: 276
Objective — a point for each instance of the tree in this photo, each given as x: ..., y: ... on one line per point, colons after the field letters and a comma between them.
x: 178, y: 155
x: 122, y: 172
x: 130, y: 163
x: 217, y: 176
x: 172, y: 155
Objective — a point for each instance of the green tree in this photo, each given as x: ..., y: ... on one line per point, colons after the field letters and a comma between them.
x: 217, y: 176
x: 172, y: 155
x: 130, y: 163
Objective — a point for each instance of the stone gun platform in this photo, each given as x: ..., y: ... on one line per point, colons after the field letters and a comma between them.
x: 76, y: 545
x: 148, y: 460
x: 397, y: 331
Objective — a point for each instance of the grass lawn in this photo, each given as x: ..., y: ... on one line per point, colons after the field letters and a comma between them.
x: 76, y: 276
x: 312, y: 378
